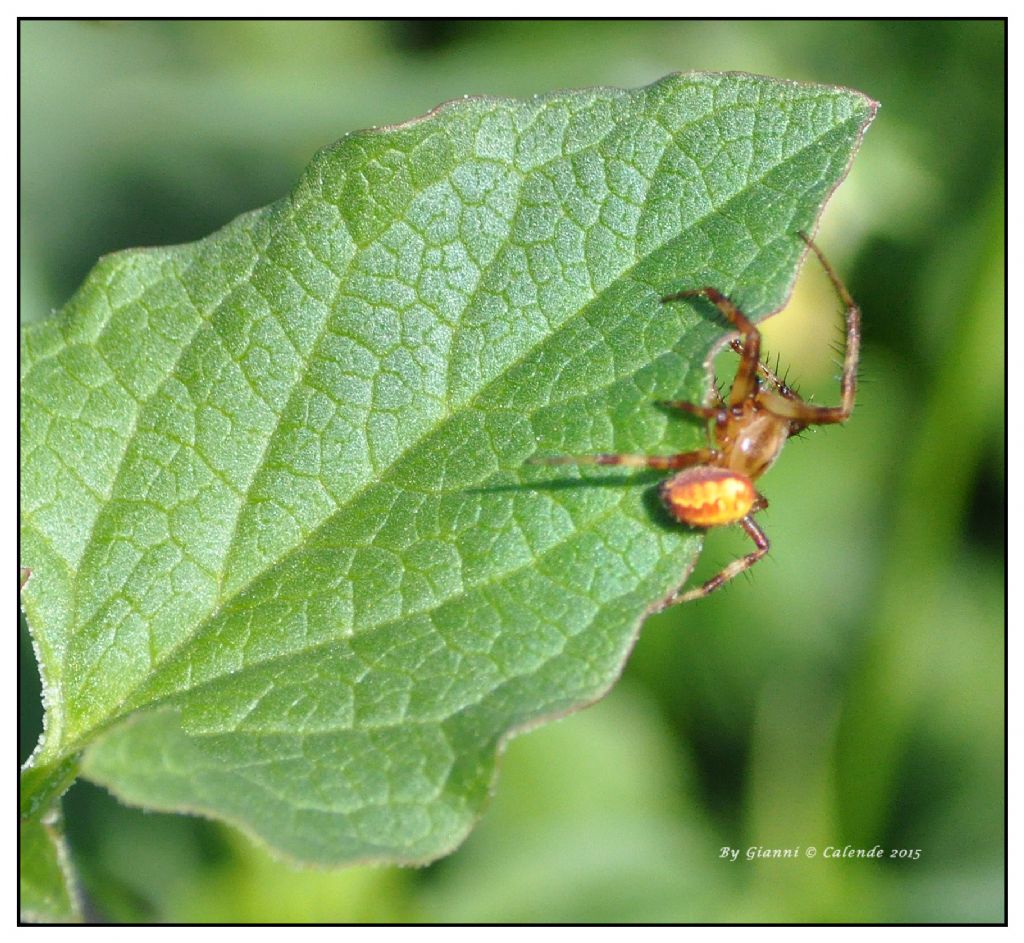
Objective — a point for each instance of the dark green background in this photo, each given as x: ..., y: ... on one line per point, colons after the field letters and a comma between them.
x: 850, y: 692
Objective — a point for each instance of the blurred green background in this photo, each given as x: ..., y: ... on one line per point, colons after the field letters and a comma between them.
x: 851, y: 692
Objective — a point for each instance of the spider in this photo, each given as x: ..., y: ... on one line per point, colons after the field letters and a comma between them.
x: 714, y: 486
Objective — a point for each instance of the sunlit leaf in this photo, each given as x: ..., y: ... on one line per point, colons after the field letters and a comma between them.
x: 289, y: 568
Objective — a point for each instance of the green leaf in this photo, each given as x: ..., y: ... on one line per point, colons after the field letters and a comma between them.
x: 46, y: 885
x: 289, y: 568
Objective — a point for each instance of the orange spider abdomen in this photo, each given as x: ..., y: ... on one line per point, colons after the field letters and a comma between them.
x: 706, y: 496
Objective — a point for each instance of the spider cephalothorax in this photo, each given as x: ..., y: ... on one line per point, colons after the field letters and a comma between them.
x: 714, y: 486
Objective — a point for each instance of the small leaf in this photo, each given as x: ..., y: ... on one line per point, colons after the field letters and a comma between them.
x: 290, y: 568
x: 46, y: 892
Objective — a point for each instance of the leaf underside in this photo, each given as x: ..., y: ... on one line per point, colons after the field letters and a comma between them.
x: 288, y: 566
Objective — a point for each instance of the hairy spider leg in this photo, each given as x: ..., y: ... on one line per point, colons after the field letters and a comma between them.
x: 748, y: 346
x: 733, y: 569
x: 712, y: 410
x: 768, y: 375
x: 802, y: 413
x: 805, y: 413
x: 745, y: 383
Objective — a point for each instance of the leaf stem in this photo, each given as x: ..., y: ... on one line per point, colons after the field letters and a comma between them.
x: 42, y: 785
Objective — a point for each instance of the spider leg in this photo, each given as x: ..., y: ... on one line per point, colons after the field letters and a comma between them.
x: 665, y: 462
x: 806, y: 413
x: 745, y: 383
x: 768, y: 375
x: 791, y: 406
x: 733, y: 569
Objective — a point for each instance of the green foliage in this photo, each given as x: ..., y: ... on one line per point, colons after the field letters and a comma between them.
x: 805, y: 703
x: 46, y: 888
x: 288, y: 568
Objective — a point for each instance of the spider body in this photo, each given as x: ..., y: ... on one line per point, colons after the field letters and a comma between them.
x: 751, y: 436
x: 714, y: 486
x: 706, y: 496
